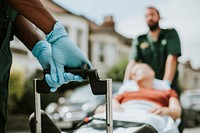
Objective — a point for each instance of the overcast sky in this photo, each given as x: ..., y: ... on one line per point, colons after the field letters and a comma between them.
x: 183, y: 15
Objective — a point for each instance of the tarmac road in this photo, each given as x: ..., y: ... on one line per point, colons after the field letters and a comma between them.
x: 187, y: 130
x: 18, y: 127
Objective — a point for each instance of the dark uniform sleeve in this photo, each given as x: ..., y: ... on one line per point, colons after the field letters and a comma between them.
x: 135, y: 55
x: 173, y: 44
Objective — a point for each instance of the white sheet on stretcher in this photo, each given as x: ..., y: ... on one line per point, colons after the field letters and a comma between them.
x: 136, y: 111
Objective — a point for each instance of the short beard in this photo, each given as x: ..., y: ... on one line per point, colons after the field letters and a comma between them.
x: 153, y: 27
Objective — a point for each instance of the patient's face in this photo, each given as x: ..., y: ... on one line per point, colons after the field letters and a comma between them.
x: 141, y: 72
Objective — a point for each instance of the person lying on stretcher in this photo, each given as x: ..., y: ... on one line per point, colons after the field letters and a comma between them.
x: 145, y: 103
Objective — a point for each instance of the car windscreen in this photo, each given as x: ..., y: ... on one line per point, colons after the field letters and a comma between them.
x: 81, y: 95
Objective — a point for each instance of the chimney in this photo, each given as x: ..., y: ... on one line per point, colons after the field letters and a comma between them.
x: 188, y: 64
x: 108, y: 22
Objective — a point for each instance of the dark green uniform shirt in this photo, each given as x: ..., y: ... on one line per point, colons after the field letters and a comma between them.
x: 155, y: 53
x: 7, y: 16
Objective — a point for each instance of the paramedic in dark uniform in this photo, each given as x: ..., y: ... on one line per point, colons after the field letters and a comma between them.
x: 56, y: 51
x: 159, y: 48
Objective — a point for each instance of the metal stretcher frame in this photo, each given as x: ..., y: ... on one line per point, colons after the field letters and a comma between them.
x: 98, y: 86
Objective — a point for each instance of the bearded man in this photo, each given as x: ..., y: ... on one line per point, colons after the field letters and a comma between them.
x: 159, y: 48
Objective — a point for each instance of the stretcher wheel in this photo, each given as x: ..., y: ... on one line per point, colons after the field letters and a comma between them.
x: 48, y: 125
x: 146, y: 128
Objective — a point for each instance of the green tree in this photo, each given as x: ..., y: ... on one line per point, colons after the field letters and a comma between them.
x: 116, y: 73
x: 22, y: 98
x: 16, y: 88
x: 26, y: 103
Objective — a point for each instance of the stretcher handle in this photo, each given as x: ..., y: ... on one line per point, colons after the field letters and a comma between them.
x: 76, y: 71
x: 43, y: 87
x: 98, y: 86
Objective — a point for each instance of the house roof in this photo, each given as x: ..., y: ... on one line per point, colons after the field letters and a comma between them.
x: 106, y: 27
x: 51, y: 6
x: 56, y: 8
x: 188, y: 65
x: 112, y: 32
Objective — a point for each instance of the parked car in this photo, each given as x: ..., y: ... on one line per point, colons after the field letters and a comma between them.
x: 190, y: 101
x: 77, y: 104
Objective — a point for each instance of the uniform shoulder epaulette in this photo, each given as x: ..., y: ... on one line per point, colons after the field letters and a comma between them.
x: 170, y: 29
x: 142, y: 36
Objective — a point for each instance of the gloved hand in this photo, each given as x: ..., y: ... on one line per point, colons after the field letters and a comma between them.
x: 65, y: 54
x: 42, y: 51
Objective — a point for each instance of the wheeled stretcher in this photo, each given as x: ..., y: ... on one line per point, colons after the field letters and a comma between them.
x: 135, y: 117
x: 41, y: 123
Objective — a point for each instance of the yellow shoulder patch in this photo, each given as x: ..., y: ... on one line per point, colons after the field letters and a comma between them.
x: 144, y: 45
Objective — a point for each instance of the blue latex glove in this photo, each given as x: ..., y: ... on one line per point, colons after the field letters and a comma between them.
x: 65, y: 53
x: 42, y: 51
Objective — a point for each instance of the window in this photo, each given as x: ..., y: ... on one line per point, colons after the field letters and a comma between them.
x: 79, y: 37
x: 67, y: 29
x: 101, y: 52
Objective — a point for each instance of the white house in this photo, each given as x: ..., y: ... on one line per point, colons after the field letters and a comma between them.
x: 189, y: 77
x: 107, y: 46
